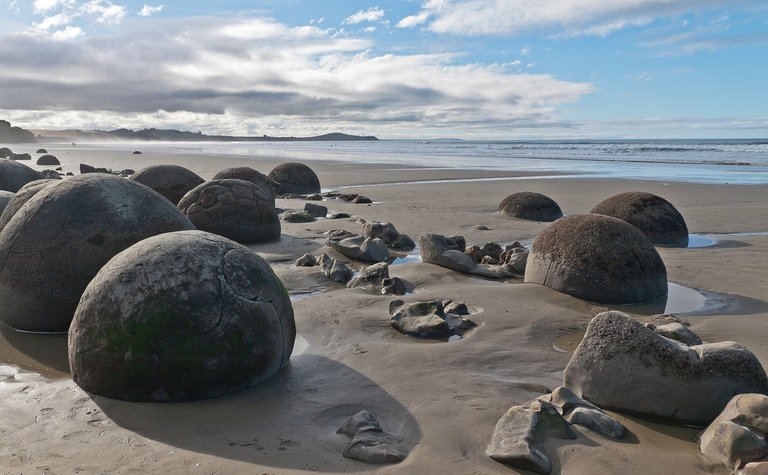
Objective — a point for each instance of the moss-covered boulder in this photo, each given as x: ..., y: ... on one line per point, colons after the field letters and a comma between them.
x: 171, y: 181
x: 178, y: 317
x: 294, y: 178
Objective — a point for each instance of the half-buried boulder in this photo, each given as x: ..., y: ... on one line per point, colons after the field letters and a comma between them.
x: 54, y: 245
x: 24, y: 194
x: 171, y: 181
x: 597, y: 258
x: 249, y: 174
x: 14, y: 175
x: 531, y: 206
x: 48, y: 160
x: 178, y: 317
x: 625, y: 366
x: 294, y: 178
x: 236, y: 209
x: 656, y: 217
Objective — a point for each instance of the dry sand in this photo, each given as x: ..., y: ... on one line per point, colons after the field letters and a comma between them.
x: 442, y: 398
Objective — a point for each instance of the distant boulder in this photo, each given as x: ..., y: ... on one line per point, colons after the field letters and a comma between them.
x: 5, y: 152
x: 171, y: 181
x: 294, y: 178
x: 42, y: 150
x: 20, y: 156
x: 531, y: 206
x: 14, y: 175
x: 48, y: 160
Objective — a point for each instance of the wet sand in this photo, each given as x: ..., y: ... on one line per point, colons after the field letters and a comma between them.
x: 442, y: 398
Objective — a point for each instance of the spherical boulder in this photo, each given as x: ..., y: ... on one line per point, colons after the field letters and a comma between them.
x: 24, y: 194
x: 656, y: 217
x: 14, y: 175
x: 236, y: 209
x: 48, y: 160
x: 181, y: 316
x: 59, y: 239
x: 171, y: 181
x: 531, y: 206
x: 294, y: 178
x: 597, y: 258
x: 5, y: 198
x: 249, y: 174
x: 5, y: 152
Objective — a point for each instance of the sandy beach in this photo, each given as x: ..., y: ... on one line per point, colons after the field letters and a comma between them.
x: 442, y: 398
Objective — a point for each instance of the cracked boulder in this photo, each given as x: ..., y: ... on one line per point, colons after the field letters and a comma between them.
x: 358, y: 247
x: 249, y: 174
x: 427, y: 319
x: 738, y: 435
x: 599, y: 259
x: 236, y: 209
x: 178, y: 317
x: 5, y: 198
x: 531, y: 206
x: 294, y: 178
x: 654, y: 216
x: 171, y: 181
x: 622, y: 365
x: 59, y: 239
x: 14, y: 175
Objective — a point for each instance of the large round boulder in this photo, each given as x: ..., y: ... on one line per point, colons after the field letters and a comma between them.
x: 597, y: 258
x: 249, y: 174
x: 54, y: 245
x: 236, y: 209
x: 178, y: 317
x: 531, y: 206
x: 24, y: 194
x: 294, y: 178
x: 14, y: 175
x: 656, y: 217
x: 171, y: 181
x: 48, y: 160
x: 5, y: 198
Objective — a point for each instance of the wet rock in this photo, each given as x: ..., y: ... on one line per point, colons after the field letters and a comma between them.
x: 316, y: 211
x: 599, y: 259
x: 457, y: 308
x: 171, y: 181
x: 48, y: 160
x: 14, y: 175
x: 298, y: 217
x: 738, y: 435
x: 358, y: 247
x: 388, y: 233
x: 427, y: 319
x: 678, y: 332
x: 519, y: 435
x: 249, y: 174
x: 394, y: 286
x: 178, y: 317
x: 530, y: 206
x: 85, y: 168
x: 294, y: 178
x: 375, y: 447
x: 363, y: 420
x: 654, y: 216
x: 84, y: 220
x: 622, y: 365
x: 24, y: 194
x: 371, y: 276
x: 307, y: 260
x: 335, y: 270
x: 136, y: 152
x: 236, y: 209
x: 403, y: 242
x: 421, y: 326
x: 361, y: 200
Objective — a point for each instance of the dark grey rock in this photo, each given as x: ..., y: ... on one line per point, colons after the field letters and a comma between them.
x: 515, y: 260
x: 235, y: 209
x: 361, y: 200
x: 314, y: 197
x: 358, y: 247
x: 24, y: 194
x: 136, y: 152
x: 5, y: 198
x: 5, y: 152
x: 347, y: 196
x: 403, y: 242
x: 298, y: 217
x: 294, y: 178
x: 171, y: 181
x: 42, y: 150
x: 427, y: 319
x: 315, y: 210
x: 375, y: 447
x: 457, y: 308
x: 249, y: 174
x: 394, y: 286
x: 371, y: 276
x: 386, y: 231
x: 622, y: 365
x: 307, y: 260
x: 339, y: 216
x: 14, y: 175
x: 335, y: 270
x: 83, y: 220
x: 20, y: 156
x: 363, y: 420
x: 48, y: 160
x: 179, y: 317
x: 654, y: 216
x: 599, y: 259
x: 449, y: 253
x: 530, y: 206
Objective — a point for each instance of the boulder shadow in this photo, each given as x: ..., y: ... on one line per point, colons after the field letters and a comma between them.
x: 41, y: 353
x: 287, y: 422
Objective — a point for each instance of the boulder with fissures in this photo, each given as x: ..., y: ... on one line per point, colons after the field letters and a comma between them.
x: 294, y: 178
x: 171, y: 181
x: 249, y: 174
x: 236, y: 209
x: 179, y: 317
x: 59, y: 239
x: 738, y: 435
x: 5, y: 198
x: 24, y: 194
x: 531, y: 206
x: 597, y: 258
x: 656, y: 217
x: 623, y: 365
x: 14, y: 175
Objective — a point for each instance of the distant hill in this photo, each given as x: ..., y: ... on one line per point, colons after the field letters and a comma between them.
x: 169, y: 135
x: 10, y: 134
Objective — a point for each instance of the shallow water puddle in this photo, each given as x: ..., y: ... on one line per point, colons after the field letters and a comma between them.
x: 300, y: 346
x: 707, y: 240
x: 411, y: 257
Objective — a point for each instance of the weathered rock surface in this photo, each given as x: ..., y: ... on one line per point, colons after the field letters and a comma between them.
x: 754, y: 468
x: 678, y: 332
x: 178, y: 317
x: 597, y: 258
x: 294, y: 178
x: 358, y: 247
x: 654, y: 216
x: 20, y: 156
x: 335, y: 270
x: 371, y: 276
x: 24, y: 194
x: 738, y: 435
x: 171, y: 181
x: 307, y: 260
x: 5, y: 198
x: 369, y: 442
x: 14, y: 175
x: 249, y: 174
x: 395, y: 286
x: 315, y: 210
x: 363, y: 420
x: 623, y: 365
x: 427, y: 319
x: 449, y: 253
x: 577, y: 411
x: 298, y: 217
x: 84, y: 220
x: 235, y: 209
x: 5, y: 152
x: 530, y: 206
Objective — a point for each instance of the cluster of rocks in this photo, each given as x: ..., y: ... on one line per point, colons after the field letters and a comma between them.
x: 530, y: 206
x: 369, y: 442
x: 430, y: 319
x: 521, y: 432
x: 373, y: 278
x: 125, y: 173
x: 490, y: 260
x: 373, y: 245
x: 512, y: 256
x: 350, y: 198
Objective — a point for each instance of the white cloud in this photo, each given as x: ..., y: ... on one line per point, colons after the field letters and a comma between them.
x: 68, y: 33
x: 372, y: 14
x: 105, y: 11
x: 149, y: 10
x: 44, y: 6
x: 222, y: 74
x: 414, y: 20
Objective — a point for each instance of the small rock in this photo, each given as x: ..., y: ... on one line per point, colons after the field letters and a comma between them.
x: 314, y: 197
x: 136, y: 152
x: 481, y: 227
x: 335, y: 270
x: 403, y: 242
x: 363, y: 420
x: 297, y: 217
x: 425, y: 326
x: 474, y: 252
x: 316, y: 211
x: 347, y: 196
x: 362, y: 200
x: 393, y: 286
x: 375, y: 447
x: 457, y: 308
x: 370, y: 276
x: 597, y: 421
x: 42, y: 150
x: 48, y: 160
x: 339, y: 216
x: 307, y: 260
x: 492, y: 249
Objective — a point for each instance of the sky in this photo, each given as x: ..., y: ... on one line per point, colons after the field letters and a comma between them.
x: 473, y: 69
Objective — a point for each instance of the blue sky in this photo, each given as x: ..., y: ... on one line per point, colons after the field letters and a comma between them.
x: 492, y: 69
